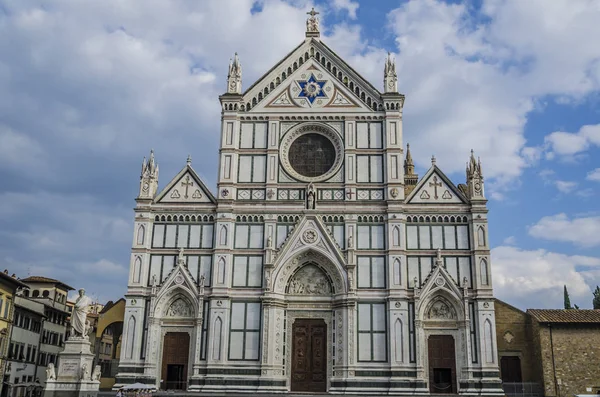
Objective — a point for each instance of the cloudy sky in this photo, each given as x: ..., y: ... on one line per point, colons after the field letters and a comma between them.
x: 88, y: 88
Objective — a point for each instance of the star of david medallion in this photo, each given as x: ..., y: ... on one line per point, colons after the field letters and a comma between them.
x: 311, y: 88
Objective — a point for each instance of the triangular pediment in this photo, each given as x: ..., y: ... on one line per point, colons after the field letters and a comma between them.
x: 179, y: 278
x: 310, y: 233
x: 437, y: 286
x: 435, y: 188
x: 312, y: 77
x: 186, y: 188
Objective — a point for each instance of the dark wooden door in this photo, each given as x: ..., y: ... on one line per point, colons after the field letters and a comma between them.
x: 309, y: 355
x: 442, y: 364
x: 510, y: 369
x: 176, y: 350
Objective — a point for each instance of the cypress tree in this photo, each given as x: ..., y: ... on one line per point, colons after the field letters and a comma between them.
x: 567, y: 300
x: 596, y: 302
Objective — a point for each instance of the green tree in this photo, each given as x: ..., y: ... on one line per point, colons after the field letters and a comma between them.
x: 596, y: 302
x: 567, y: 300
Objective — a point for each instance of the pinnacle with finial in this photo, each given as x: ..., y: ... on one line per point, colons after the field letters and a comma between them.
x: 189, y: 160
x: 433, y: 160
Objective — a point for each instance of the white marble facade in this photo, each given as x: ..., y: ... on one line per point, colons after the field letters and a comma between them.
x: 313, y: 219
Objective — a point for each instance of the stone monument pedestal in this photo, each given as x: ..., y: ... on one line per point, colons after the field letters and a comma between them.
x: 75, y: 376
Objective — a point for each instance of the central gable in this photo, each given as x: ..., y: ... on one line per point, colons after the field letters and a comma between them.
x: 312, y: 76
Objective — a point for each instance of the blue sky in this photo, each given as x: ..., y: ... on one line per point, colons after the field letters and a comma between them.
x: 88, y: 88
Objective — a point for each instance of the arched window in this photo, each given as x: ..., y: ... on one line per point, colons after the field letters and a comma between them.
x: 130, y: 337
x: 141, y: 234
x: 223, y: 235
x: 396, y: 236
x: 137, y: 270
x: 35, y: 293
x: 46, y: 293
x: 484, y: 272
x: 481, y: 236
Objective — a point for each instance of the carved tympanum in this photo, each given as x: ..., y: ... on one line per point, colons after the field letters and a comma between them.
x: 440, y: 310
x: 310, y: 280
x: 179, y: 308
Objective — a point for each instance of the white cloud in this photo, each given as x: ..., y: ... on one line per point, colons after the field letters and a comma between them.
x: 535, y: 279
x: 510, y: 240
x: 568, y: 144
x: 593, y: 175
x: 582, y: 231
x: 347, y: 5
x: 565, y: 186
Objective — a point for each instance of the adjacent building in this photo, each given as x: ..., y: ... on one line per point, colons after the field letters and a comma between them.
x: 9, y: 285
x: 552, y: 353
x: 53, y: 295
x: 21, y: 375
x: 322, y: 263
x: 108, y: 336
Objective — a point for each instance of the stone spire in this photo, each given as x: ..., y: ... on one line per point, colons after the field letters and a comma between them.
x: 410, y: 178
x: 148, y: 178
x: 475, y: 178
x: 312, y: 24
x: 390, y: 78
x: 234, y: 77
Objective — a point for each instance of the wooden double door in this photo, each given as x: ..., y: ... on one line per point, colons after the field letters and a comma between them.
x: 442, y: 364
x: 176, y: 349
x: 309, y: 355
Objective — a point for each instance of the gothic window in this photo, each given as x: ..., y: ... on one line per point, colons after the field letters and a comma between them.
x: 368, y: 136
x: 145, y: 328
x: 183, y: 236
x: 223, y: 235
x: 484, y: 272
x: 371, y: 272
x: 480, y: 236
x: 396, y: 236
x: 473, y: 333
x: 253, y: 136
x: 459, y: 267
x: 205, y: 320
x: 418, y: 267
x: 200, y: 266
x: 371, y: 237
x: 252, y: 168
x: 369, y: 168
x: 249, y: 236
x: 217, y: 339
x: 412, y: 340
x: 397, y: 272
x: 244, y: 332
x: 137, y: 269
x: 337, y: 230
x: 488, y: 341
x: 448, y: 237
x: 372, y: 338
x: 160, y: 267
x: 247, y: 271
x: 141, y: 234
x: 398, y: 341
x: 312, y: 155
x: 130, y: 337
x: 283, y: 230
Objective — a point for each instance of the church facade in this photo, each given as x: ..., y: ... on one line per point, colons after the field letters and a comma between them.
x: 322, y: 263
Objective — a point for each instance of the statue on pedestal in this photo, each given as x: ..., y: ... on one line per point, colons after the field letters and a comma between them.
x: 79, y: 322
x: 97, y: 374
x: 50, y: 373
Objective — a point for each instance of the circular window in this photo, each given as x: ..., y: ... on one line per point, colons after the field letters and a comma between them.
x: 311, y: 153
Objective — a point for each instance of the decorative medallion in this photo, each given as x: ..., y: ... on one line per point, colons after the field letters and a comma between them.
x: 311, y: 88
x: 224, y: 192
x: 179, y: 279
x: 508, y: 337
x: 440, y: 282
x: 486, y: 305
x: 398, y: 304
x: 394, y: 193
x: 270, y: 193
x: 309, y: 236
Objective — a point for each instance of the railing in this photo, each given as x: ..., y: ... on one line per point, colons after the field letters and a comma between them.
x: 522, y: 389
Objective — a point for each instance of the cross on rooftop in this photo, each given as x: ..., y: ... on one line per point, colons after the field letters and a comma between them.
x: 312, y: 12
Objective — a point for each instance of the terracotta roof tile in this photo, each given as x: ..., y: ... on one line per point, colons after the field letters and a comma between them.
x: 565, y: 315
x: 41, y: 279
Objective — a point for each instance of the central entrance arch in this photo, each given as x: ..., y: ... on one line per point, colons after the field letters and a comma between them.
x: 175, y: 360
